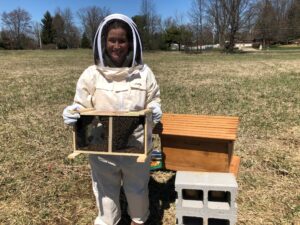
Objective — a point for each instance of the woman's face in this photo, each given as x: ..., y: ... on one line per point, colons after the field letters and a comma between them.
x: 117, y: 45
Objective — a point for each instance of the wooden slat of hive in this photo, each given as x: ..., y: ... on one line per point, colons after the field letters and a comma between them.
x: 235, y: 165
x: 201, y: 126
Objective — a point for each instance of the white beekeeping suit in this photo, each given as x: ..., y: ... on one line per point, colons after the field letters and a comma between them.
x: 131, y: 87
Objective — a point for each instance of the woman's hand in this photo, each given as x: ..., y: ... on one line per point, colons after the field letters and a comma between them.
x: 156, y: 112
x: 71, y: 115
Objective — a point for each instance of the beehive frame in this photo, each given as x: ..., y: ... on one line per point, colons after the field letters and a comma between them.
x: 106, y: 144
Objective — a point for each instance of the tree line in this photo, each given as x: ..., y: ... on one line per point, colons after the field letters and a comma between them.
x: 222, y: 22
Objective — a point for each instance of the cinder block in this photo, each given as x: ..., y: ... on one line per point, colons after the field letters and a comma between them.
x: 206, y: 197
x: 182, y: 213
x: 214, y: 191
x: 220, y: 219
x: 186, y: 217
x: 205, y: 179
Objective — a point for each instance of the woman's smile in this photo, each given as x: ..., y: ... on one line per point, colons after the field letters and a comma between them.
x: 117, y: 45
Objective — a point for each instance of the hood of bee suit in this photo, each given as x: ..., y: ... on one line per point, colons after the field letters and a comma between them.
x: 99, y: 41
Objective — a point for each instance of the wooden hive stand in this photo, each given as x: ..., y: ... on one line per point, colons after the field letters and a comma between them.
x: 198, y: 142
x: 111, y: 133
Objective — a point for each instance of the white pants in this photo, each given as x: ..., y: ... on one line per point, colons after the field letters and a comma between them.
x: 108, y: 174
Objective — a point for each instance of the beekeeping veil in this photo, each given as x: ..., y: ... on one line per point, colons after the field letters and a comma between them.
x: 100, y: 39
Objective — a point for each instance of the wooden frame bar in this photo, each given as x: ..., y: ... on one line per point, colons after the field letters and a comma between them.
x: 107, y: 133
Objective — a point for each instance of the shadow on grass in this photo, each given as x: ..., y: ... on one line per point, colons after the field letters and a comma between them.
x: 161, y: 195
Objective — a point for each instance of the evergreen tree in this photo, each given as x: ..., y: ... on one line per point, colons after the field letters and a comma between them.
x: 47, y: 29
x: 85, y: 42
x: 58, y: 26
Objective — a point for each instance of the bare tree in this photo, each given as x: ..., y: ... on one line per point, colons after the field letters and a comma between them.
x: 293, y: 20
x: 274, y: 20
x: 90, y: 19
x: 196, y: 15
x: 179, y: 18
x: 152, y: 24
x: 236, y: 11
x: 229, y: 17
x: 37, y: 34
x: 246, y: 30
x: 169, y: 22
x: 218, y: 19
x: 281, y: 9
x: 266, y: 25
x: 64, y: 24
x: 18, y: 24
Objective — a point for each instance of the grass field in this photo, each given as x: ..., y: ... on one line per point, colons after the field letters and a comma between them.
x: 38, y: 185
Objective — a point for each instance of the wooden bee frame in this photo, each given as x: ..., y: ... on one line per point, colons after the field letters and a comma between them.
x: 113, y: 133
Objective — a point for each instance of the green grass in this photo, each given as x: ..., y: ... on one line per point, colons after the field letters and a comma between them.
x: 38, y: 185
x: 291, y: 47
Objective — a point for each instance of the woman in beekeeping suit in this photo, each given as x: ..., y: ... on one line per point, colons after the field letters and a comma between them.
x: 119, y: 81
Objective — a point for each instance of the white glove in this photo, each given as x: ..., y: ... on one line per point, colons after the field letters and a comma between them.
x: 156, y: 111
x: 69, y: 114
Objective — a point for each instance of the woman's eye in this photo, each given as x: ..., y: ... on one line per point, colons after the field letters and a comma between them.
x: 120, y: 41
x: 112, y: 40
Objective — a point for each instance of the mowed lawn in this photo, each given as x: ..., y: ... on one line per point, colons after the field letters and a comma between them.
x: 39, y: 185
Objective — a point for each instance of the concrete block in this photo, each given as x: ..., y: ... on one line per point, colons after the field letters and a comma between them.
x: 205, y: 190
x: 182, y: 213
x: 206, y: 198
x: 215, y: 216
x: 217, y: 181
x: 186, y: 216
x: 186, y: 219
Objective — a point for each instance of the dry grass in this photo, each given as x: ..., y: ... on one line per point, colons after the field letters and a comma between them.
x: 39, y: 186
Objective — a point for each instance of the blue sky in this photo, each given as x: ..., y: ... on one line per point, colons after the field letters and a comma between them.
x: 37, y: 8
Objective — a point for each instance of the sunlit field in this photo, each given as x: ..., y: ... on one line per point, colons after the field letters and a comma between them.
x: 39, y: 185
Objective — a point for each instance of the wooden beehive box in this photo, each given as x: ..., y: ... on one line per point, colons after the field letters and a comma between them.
x: 112, y: 133
x: 199, y: 142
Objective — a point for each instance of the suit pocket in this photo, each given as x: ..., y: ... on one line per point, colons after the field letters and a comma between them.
x: 138, y: 86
